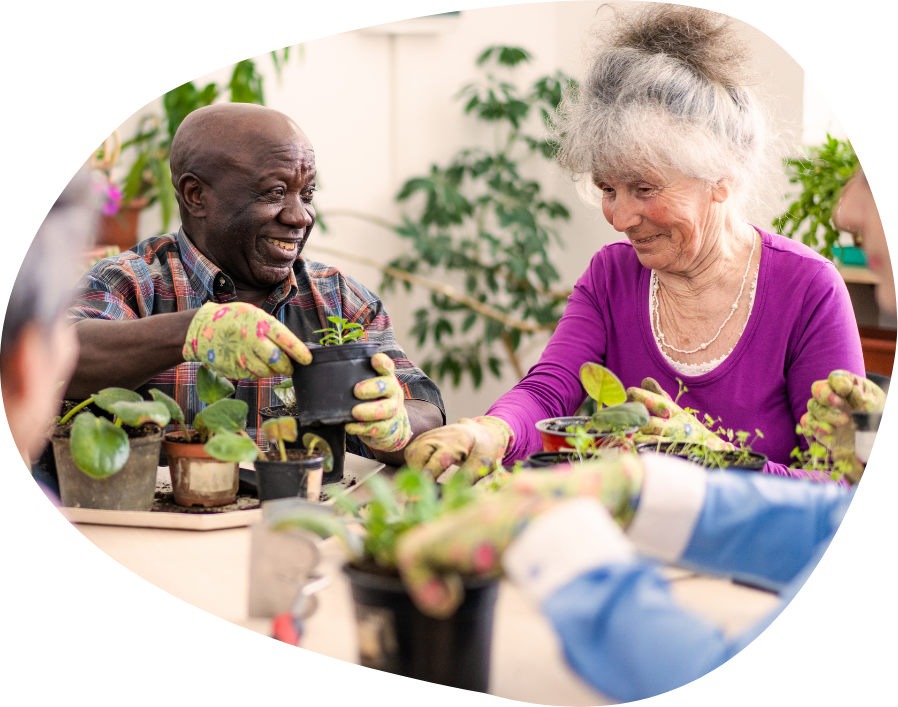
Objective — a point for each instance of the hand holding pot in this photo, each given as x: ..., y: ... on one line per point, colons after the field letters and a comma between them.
x: 472, y: 443
x: 242, y: 342
x: 669, y: 422
x: 828, y: 418
x: 433, y: 557
x: 383, y: 422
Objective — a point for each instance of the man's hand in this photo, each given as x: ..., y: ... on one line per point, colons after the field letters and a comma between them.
x: 669, y: 422
x: 242, y: 342
x: 828, y: 418
x: 383, y: 422
x: 432, y: 557
x: 471, y: 443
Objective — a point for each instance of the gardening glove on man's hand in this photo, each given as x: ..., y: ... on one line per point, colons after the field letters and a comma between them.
x: 242, y: 342
x: 828, y: 419
x: 669, y: 422
x: 472, y: 443
x: 383, y: 422
x: 433, y: 556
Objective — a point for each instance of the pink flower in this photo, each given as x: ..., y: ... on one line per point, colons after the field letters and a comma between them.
x: 112, y: 200
x: 220, y: 313
x: 262, y: 329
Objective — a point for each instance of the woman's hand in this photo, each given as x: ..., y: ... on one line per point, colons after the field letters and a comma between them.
x: 472, y: 443
x: 669, y: 422
x: 383, y: 422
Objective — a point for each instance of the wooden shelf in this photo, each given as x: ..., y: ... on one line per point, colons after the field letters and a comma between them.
x: 857, y: 275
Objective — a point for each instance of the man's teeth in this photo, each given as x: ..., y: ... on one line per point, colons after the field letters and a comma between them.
x: 286, y: 245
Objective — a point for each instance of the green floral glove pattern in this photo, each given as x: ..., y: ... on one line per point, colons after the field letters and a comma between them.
x: 669, y: 422
x: 828, y: 419
x: 242, y: 342
x: 383, y: 422
x: 433, y: 557
x: 472, y: 443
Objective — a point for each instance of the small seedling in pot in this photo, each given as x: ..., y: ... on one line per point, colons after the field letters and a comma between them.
x: 613, y: 413
x: 342, y: 332
x: 279, y: 430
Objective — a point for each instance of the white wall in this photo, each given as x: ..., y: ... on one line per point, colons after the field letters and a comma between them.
x: 379, y: 108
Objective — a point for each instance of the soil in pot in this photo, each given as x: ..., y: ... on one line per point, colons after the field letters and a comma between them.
x: 301, y: 475
x: 334, y: 435
x: 324, y: 388
x: 197, y: 478
x: 396, y: 637
x: 554, y: 433
x: 131, y: 488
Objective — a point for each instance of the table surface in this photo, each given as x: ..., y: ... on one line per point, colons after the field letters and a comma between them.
x: 210, y: 570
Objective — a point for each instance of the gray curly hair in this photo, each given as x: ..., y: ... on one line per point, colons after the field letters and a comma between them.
x: 669, y: 88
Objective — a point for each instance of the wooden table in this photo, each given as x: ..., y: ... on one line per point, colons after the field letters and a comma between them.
x: 210, y: 571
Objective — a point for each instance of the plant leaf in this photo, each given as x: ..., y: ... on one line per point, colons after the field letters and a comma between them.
x: 316, y: 445
x: 135, y: 414
x: 99, y: 448
x: 280, y: 429
x: 231, y: 447
x: 602, y: 385
x: 211, y: 387
x: 285, y: 392
x: 108, y: 397
x: 174, y: 410
x: 226, y: 415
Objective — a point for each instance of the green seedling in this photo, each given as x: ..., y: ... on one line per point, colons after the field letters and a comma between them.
x: 280, y: 430
x: 316, y: 445
x: 613, y: 413
x: 342, y: 332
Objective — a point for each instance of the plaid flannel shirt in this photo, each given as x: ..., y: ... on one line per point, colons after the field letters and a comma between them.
x: 169, y: 274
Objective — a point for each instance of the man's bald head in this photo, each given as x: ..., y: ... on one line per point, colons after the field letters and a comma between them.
x: 225, y: 136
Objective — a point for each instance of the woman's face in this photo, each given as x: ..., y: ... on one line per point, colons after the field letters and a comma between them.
x: 671, y: 223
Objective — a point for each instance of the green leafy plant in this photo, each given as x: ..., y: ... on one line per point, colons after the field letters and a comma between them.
x: 149, y: 177
x: 822, y: 174
x: 478, y: 232
x: 342, y: 332
x: 100, y: 446
x: 818, y: 458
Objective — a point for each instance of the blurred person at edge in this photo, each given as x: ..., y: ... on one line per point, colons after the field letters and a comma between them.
x: 39, y: 349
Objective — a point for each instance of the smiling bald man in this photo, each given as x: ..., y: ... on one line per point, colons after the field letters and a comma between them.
x: 245, y: 180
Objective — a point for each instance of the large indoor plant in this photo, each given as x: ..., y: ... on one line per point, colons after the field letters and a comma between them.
x: 109, y: 462
x: 394, y: 635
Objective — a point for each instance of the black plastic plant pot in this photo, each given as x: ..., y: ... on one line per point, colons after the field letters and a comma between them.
x: 679, y: 450
x: 544, y: 460
x: 753, y: 461
x: 324, y: 388
x: 866, y: 426
x: 394, y: 636
x: 289, y: 479
x: 334, y: 435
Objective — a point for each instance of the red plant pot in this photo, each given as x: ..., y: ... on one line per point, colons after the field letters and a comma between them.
x: 554, y: 435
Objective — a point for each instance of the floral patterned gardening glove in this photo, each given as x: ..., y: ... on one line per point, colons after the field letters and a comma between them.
x: 383, y: 422
x: 433, y: 557
x: 242, y: 342
x: 828, y: 419
x: 472, y: 443
x: 669, y: 422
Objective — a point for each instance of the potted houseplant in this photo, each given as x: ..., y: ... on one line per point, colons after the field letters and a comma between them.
x: 394, y: 635
x: 285, y: 473
x: 742, y: 457
x: 109, y: 463
x: 609, y: 427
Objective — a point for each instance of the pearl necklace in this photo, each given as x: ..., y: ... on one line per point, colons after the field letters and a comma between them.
x: 656, y: 315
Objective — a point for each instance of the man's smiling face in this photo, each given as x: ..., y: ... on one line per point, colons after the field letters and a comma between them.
x: 258, y: 202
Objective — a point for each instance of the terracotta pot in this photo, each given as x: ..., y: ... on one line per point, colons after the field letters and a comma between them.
x: 121, y: 229
x: 198, y: 479
x: 131, y: 488
x: 556, y: 441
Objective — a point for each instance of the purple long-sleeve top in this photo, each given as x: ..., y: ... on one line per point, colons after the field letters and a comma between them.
x: 801, y: 328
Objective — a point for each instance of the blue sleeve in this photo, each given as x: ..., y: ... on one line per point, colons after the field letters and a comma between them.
x: 762, y: 529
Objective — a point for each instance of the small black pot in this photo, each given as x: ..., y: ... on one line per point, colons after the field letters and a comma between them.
x: 402, y: 640
x: 543, y: 460
x: 324, y: 388
x: 678, y: 450
x: 289, y: 479
x: 334, y: 435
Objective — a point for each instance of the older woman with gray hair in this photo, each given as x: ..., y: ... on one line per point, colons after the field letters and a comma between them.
x: 666, y: 130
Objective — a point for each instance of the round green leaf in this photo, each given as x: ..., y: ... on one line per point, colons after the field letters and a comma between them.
x: 602, y: 385
x: 226, y: 415
x: 280, y: 428
x: 285, y: 392
x: 108, y: 397
x: 315, y: 445
x: 137, y: 414
x: 211, y: 387
x: 99, y: 448
x: 174, y: 410
x: 231, y: 447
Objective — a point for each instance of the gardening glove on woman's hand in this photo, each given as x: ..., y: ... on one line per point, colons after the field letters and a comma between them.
x: 383, y: 422
x: 472, y: 443
x: 470, y: 541
x: 669, y: 422
x: 828, y: 419
x: 242, y: 342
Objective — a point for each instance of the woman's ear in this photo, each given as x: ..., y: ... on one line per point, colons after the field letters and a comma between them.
x: 193, y: 193
x: 720, y: 192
